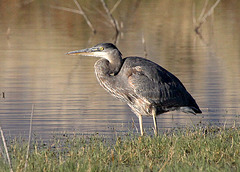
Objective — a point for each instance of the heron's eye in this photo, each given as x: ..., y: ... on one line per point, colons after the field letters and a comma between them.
x: 101, y: 48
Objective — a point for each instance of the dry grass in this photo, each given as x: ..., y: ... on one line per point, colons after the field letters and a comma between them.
x: 199, y: 149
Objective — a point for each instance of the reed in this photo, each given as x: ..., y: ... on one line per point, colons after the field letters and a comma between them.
x: 78, y: 11
x: 29, y: 138
x: 203, y: 16
x: 6, y: 150
x: 112, y: 20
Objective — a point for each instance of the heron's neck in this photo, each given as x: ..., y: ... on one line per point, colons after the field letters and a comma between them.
x: 115, y: 64
x: 109, y: 66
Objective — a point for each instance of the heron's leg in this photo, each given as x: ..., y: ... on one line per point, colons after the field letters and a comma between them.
x: 155, y: 121
x: 140, y: 123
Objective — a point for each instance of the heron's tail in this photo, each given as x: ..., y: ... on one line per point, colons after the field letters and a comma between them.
x: 196, y: 110
x: 192, y: 104
x: 188, y: 109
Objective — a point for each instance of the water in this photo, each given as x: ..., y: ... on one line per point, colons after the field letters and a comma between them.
x: 34, y: 69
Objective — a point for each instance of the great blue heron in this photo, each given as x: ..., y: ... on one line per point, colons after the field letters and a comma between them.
x: 146, y: 87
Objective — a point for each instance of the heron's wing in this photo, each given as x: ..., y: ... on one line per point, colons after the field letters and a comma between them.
x: 157, y: 85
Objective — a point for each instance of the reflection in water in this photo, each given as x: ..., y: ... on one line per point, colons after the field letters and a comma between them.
x: 64, y: 90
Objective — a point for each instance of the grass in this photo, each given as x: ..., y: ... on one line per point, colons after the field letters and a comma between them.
x: 199, y: 149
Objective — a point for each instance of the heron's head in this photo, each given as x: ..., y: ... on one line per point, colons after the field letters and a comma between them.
x: 104, y: 50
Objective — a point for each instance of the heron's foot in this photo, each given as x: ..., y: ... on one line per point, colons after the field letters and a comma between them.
x: 155, y: 131
x: 142, y: 133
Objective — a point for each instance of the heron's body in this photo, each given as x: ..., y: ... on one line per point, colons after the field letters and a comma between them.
x: 146, y: 87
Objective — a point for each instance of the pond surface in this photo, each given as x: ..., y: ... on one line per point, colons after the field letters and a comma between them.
x: 63, y: 90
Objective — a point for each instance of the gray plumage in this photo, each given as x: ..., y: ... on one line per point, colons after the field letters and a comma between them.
x: 146, y: 87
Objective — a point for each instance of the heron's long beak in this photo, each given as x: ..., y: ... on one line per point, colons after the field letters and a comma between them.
x: 86, y: 51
